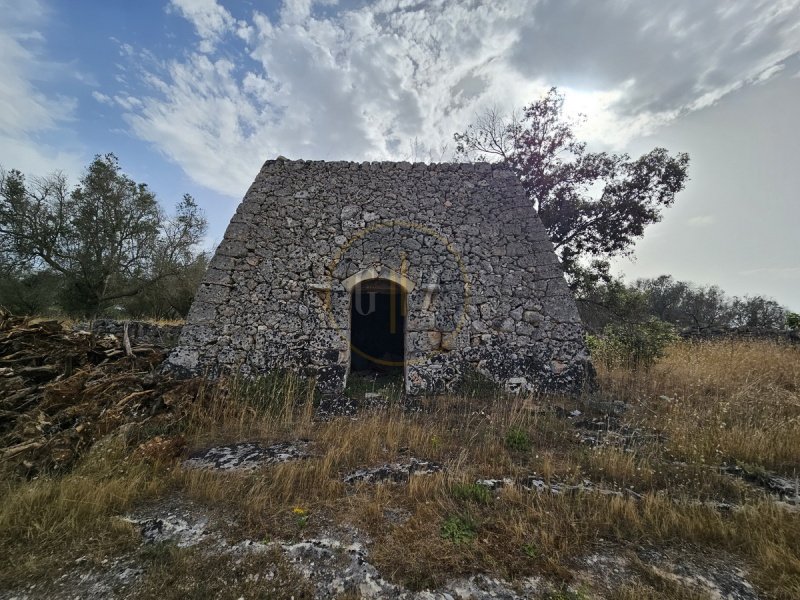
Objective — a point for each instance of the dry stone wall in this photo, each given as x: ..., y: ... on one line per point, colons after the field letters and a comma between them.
x: 143, y: 332
x: 485, y: 291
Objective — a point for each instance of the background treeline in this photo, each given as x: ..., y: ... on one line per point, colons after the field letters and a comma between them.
x: 103, y: 247
x: 684, y: 305
x: 631, y: 325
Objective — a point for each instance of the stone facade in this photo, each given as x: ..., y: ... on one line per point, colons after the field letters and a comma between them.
x: 481, y: 286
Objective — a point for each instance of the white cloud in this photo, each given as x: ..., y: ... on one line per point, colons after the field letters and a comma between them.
x: 102, y: 98
x: 26, y: 113
x: 295, y: 11
x: 127, y: 102
x: 23, y: 108
x: 769, y: 72
x: 364, y: 83
x: 210, y: 20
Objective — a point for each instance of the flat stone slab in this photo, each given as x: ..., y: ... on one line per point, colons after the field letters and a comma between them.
x: 715, y: 576
x: 336, y: 562
x: 246, y: 456
x: 537, y: 484
x: 781, y: 490
x: 397, y: 472
x: 182, y: 530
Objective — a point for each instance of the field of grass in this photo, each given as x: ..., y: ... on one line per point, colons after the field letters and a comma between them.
x: 658, y: 447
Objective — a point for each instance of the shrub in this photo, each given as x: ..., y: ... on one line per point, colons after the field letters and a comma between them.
x: 518, y: 439
x: 459, y: 529
x: 632, y: 345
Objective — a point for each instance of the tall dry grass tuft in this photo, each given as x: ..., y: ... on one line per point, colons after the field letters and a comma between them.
x: 237, y: 408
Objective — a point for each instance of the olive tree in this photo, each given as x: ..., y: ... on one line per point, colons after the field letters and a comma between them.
x: 107, y: 239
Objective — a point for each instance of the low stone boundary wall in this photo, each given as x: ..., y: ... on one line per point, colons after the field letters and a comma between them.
x: 778, y: 335
x: 141, y: 332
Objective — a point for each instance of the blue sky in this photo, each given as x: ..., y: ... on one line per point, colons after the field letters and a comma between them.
x: 193, y: 95
x: 81, y: 50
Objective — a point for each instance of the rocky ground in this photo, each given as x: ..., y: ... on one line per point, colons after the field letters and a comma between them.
x: 336, y: 561
x: 681, y: 482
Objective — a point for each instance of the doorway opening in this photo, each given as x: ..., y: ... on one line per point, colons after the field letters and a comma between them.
x: 377, y: 327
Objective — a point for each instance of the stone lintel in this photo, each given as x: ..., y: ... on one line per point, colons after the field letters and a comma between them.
x: 378, y: 272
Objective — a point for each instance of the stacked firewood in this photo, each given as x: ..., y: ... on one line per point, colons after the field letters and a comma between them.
x: 61, y: 390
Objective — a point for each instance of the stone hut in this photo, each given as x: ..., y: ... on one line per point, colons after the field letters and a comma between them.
x: 436, y: 272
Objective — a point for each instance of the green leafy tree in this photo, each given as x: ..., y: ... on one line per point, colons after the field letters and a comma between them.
x: 107, y: 239
x: 173, y: 297
x: 757, y: 312
x: 594, y: 205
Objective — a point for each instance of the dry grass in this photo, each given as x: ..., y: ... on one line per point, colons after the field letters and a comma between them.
x: 723, y: 401
x: 185, y: 573
x: 712, y: 403
x: 50, y: 518
x: 238, y: 409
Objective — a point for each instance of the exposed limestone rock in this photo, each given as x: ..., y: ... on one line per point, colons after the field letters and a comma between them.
x: 533, y: 483
x: 484, y: 291
x: 397, y: 472
x: 718, y: 577
x: 337, y: 562
x: 785, y: 489
x: 245, y: 456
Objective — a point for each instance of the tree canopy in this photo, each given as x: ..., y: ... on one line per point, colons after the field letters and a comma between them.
x: 105, y: 240
x: 594, y: 205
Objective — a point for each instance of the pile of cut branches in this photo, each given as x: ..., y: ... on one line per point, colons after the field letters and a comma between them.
x: 62, y: 390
